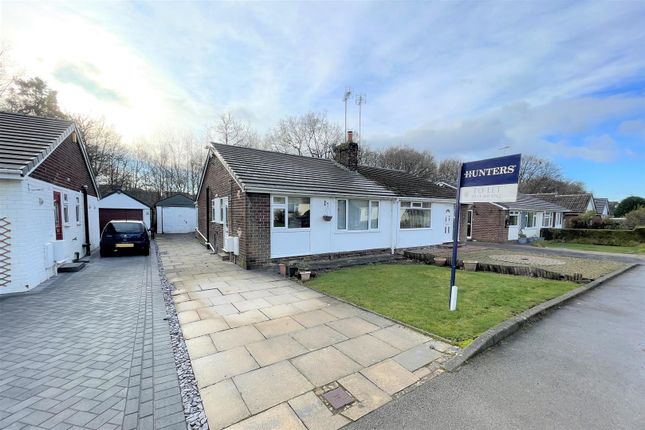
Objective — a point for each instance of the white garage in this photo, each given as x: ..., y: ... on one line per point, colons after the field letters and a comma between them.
x: 119, y: 205
x: 176, y: 214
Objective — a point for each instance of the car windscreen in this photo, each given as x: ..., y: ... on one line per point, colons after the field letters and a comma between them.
x: 124, y: 227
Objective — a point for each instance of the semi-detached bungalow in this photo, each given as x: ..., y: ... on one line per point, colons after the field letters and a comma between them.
x: 261, y: 206
x: 48, y: 199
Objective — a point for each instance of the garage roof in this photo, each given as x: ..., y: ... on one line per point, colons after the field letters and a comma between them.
x: 176, y: 201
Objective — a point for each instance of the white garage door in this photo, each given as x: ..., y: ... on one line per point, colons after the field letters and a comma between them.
x: 176, y: 220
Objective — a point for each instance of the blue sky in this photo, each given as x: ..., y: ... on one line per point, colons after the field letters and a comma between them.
x: 563, y: 80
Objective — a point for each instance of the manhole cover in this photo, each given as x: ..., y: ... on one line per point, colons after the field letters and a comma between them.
x: 338, y: 398
x: 528, y: 259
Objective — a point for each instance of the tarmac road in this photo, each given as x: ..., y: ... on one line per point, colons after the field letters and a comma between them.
x: 580, y: 367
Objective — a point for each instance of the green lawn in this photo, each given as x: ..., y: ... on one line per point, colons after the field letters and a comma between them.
x: 417, y: 294
x: 590, y: 247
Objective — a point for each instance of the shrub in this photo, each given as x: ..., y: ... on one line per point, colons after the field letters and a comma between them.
x: 627, y: 205
x: 635, y: 218
x: 596, y: 237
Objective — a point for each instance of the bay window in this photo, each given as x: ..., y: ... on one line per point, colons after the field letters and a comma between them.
x: 415, y: 215
x: 290, y: 212
x: 357, y: 215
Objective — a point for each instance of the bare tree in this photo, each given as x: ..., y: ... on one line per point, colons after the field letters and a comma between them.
x: 539, y: 175
x: 6, y: 78
x: 405, y: 158
x: 311, y: 134
x: 448, y: 171
x: 231, y: 131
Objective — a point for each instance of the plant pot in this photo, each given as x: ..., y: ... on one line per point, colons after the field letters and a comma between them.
x: 522, y: 240
x: 470, y: 266
x: 283, y: 269
x: 304, y: 276
x: 327, y: 217
x: 440, y: 261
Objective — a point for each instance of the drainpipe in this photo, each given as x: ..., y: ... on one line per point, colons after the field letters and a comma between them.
x: 86, y: 214
x: 208, y: 215
x: 393, y: 225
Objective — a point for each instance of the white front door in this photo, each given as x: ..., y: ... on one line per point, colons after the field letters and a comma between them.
x: 513, y: 225
x: 469, y: 225
x: 225, y: 223
x: 447, y: 225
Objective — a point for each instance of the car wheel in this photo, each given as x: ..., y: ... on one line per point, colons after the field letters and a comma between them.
x: 146, y: 251
x: 104, y: 252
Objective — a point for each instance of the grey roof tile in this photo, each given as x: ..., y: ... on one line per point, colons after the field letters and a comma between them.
x: 26, y: 140
x: 407, y: 184
x: 531, y: 203
x: 177, y: 200
x: 266, y: 171
x: 574, y: 202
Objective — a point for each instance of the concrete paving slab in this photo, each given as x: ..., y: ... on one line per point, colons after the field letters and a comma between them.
x: 369, y: 396
x: 314, y: 414
x: 203, y: 327
x: 245, y: 318
x: 271, y: 385
x: 223, y: 404
x: 275, y: 349
x: 353, y: 326
x: 225, y: 309
x: 200, y: 347
x: 311, y: 304
x: 318, y: 337
x: 187, y: 317
x: 281, y: 417
x: 325, y: 365
x: 314, y: 318
x: 278, y: 326
x: 235, y: 337
x: 401, y: 337
x: 389, y: 376
x: 247, y: 305
x: 417, y: 357
x: 366, y: 350
x: 217, y: 367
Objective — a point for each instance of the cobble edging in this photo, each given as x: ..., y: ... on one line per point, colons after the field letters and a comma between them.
x: 510, y: 326
x: 192, y: 401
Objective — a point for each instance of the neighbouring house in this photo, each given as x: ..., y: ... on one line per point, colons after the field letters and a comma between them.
x: 261, y: 206
x: 48, y: 199
x: 602, y: 207
x: 119, y: 205
x: 502, y: 222
x: 576, y: 204
x: 176, y: 214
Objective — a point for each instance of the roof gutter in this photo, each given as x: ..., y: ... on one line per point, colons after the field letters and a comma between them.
x: 10, y: 174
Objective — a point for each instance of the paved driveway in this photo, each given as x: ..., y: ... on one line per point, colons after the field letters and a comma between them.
x: 581, y: 367
x: 90, y: 350
x: 264, y: 348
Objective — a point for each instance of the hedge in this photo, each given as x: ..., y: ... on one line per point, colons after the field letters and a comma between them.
x: 596, y: 237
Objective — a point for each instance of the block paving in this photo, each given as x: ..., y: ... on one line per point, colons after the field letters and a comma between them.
x: 262, y: 346
x: 90, y: 350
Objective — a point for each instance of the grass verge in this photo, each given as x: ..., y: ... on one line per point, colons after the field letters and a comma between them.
x: 590, y: 247
x: 418, y: 295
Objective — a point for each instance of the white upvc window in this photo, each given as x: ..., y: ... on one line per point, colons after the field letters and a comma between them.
x: 78, y: 210
x: 558, y: 219
x: 547, y: 219
x: 531, y: 219
x: 65, y: 209
x: 215, y: 210
x: 357, y: 215
x: 513, y: 218
x: 290, y: 212
x: 415, y: 215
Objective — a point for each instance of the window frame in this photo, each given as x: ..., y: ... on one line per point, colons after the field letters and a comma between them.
x: 214, y: 209
x: 285, y: 207
x: 558, y: 219
x: 515, y: 214
x: 415, y: 205
x: 66, y: 210
x: 531, y: 216
x: 550, y: 218
x: 78, y: 210
x: 370, y: 204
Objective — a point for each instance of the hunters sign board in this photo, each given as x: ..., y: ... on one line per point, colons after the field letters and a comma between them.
x: 491, y: 180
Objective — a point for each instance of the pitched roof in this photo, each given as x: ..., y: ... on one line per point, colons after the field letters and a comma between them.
x: 407, y: 184
x: 263, y: 171
x: 177, y: 200
x: 574, y: 202
x: 119, y: 191
x: 528, y: 202
x: 27, y: 140
x: 601, y: 202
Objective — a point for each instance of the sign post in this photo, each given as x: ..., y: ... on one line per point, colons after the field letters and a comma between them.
x: 491, y: 180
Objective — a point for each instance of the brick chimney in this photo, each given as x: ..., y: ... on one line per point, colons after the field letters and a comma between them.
x: 347, y: 153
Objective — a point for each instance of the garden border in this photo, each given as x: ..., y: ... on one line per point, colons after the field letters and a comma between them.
x: 501, y: 331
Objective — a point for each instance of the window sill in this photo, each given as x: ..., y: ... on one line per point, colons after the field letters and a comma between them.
x: 415, y: 229
x: 357, y: 231
x: 289, y: 230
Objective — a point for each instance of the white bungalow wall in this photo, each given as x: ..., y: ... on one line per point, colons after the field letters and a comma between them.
x: 28, y: 204
x: 324, y: 237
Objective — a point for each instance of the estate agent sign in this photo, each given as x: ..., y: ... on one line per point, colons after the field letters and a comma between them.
x: 491, y: 180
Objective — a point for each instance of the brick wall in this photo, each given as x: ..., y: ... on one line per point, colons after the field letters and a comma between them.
x: 488, y: 223
x: 248, y: 217
x: 66, y: 167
